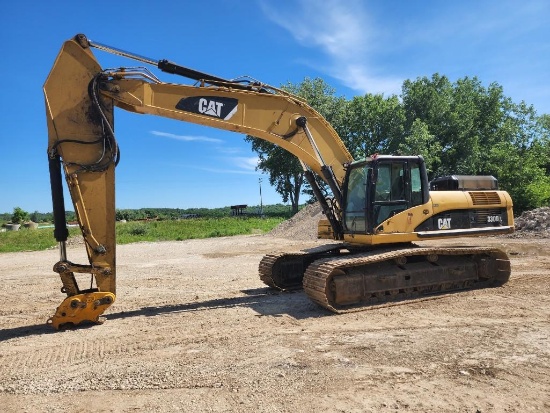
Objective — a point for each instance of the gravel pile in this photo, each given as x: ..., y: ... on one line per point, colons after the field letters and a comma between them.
x: 302, y: 226
x: 534, y: 223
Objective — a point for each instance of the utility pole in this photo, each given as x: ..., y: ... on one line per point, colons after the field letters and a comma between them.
x: 261, y: 202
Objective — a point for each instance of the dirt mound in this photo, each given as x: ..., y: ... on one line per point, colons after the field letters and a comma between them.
x: 534, y: 223
x: 302, y: 226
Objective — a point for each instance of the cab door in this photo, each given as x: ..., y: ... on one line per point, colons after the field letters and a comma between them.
x: 398, y: 187
x: 355, y: 195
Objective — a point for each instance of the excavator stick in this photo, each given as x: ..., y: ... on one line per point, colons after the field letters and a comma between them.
x: 81, y: 145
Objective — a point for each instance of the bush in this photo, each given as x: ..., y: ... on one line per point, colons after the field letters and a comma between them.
x: 19, y: 216
x: 138, y: 230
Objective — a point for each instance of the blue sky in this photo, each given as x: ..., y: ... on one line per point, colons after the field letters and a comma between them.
x: 355, y: 46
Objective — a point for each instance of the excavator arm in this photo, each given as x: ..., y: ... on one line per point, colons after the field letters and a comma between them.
x: 80, y: 100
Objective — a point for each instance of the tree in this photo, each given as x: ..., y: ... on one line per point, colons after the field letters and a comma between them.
x: 284, y: 169
x: 466, y: 128
x: 419, y: 141
x: 35, y: 216
x: 543, y: 144
x: 373, y: 124
x: 520, y: 173
x: 19, y: 216
x: 449, y: 113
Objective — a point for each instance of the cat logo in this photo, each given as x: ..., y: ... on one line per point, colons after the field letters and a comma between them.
x: 210, y: 107
x: 213, y: 106
x: 444, y: 223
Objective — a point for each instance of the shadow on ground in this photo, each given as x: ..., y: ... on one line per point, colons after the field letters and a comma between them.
x: 264, y: 301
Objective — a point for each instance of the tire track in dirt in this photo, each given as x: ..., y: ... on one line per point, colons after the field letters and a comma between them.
x: 74, y: 351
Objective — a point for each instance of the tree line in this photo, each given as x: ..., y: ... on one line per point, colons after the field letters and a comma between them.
x: 144, y: 214
x: 460, y: 127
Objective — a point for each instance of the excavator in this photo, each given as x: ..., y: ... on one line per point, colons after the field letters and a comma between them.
x: 376, y: 210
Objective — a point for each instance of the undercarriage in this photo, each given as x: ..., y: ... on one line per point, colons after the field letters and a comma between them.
x: 342, y: 279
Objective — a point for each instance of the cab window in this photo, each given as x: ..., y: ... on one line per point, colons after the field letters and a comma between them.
x: 416, y: 185
x: 390, y: 193
x: 390, y: 185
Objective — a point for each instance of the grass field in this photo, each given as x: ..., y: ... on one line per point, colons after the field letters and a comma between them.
x: 169, y: 230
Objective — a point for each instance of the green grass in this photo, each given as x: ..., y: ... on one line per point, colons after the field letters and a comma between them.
x: 41, y: 239
x: 192, y: 229
x: 30, y: 239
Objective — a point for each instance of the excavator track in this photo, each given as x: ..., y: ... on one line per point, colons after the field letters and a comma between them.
x: 354, y: 282
x: 285, y: 271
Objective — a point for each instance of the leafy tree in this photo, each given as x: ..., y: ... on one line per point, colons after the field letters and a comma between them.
x: 35, y: 216
x: 450, y: 113
x: 122, y: 215
x: 543, y: 144
x: 374, y: 124
x: 521, y: 175
x: 419, y: 141
x: 284, y: 169
x: 463, y: 117
x: 471, y: 129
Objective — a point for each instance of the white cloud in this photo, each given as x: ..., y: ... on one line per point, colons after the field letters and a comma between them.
x: 229, y: 171
x: 358, y: 77
x: 247, y: 163
x: 346, y: 34
x: 228, y: 150
x: 186, y: 138
x: 339, y: 28
x: 243, y: 165
x: 372, y: 47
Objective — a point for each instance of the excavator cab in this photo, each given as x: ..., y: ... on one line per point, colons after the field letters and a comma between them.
x: 380, y: 187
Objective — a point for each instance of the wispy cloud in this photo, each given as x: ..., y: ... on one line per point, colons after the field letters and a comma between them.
x: 186, y: 138
x: 339, y: 28
x: 345, y: 33
x: 237, y: 165
x: 248, y: 163
x: 231, y: 150
x: 229, y: 171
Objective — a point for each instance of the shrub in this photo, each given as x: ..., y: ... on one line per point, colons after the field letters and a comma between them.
x: 19, y: 216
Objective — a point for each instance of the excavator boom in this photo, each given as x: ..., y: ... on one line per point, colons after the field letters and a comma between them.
x: 80, y: 100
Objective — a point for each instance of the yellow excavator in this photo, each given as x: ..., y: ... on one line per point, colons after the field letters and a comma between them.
x: 378, y: 206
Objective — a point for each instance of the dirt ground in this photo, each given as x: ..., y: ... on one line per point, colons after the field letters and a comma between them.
x: 194, y: 329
